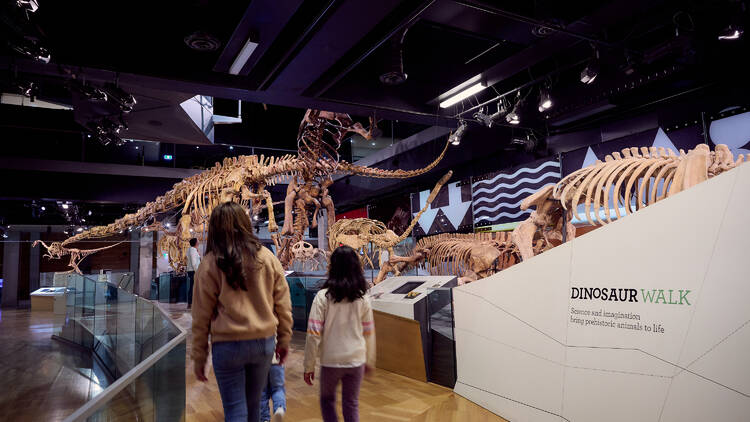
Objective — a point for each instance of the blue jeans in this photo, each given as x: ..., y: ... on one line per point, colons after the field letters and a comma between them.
x: 274, y: 391
x: 241, y: 369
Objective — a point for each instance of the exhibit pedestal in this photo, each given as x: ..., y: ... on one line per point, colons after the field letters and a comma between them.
x: 413, y: 316
x: 49, y: 299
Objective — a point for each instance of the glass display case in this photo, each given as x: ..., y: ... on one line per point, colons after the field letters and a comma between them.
x: 303, y: 286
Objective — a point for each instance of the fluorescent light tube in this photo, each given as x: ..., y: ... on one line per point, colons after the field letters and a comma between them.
x: 241, y: 59
x: 463, y: 95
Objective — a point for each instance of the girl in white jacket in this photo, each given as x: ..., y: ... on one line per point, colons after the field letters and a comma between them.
x: 341, y: 330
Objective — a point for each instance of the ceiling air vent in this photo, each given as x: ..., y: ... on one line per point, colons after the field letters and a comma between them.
x: 543, y: 31
x: 202, y: 41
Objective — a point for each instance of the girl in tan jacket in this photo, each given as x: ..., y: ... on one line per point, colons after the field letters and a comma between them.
x: 241, y: 299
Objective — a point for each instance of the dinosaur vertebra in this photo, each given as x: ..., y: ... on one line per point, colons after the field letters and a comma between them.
x: 636, y: 178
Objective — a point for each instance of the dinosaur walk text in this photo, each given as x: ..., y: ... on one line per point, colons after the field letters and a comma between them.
x: 654, y: 296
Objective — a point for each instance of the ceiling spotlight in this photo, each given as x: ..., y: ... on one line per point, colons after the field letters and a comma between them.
x: 89, y: 212
x: 65, y: 206
x: 483, y: 118
x: 28, y: 89
x: 28, y: 5
x: 5, y: 236
x: 197, y: 147
x: 466, y: 93
x: 117, y: 95
x: 513, y: 117
x: 731, y: 32
x: 107, y: 131
x: 394, y: 72
x: 591, y: 71
x: 231, y: 147
x: 90, y: 92
x: 455, y: 137
x: 545, y: 100
x: 44, y: 208
x: 30, y: 47
x: 528, y: 143
x: 168, y: 225
x: 501, y: 111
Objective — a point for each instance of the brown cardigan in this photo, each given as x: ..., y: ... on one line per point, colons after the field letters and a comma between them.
x: 263, y: 310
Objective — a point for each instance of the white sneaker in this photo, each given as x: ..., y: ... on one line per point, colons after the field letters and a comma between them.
x: 278, y: 415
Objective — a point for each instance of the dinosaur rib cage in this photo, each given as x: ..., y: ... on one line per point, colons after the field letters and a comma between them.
x: 451, y: 253
x: 632, y: 180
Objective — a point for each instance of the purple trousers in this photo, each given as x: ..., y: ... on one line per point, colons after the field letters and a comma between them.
x: 351, y: 378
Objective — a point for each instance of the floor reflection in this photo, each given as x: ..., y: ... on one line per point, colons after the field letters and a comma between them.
x: 41, y: 379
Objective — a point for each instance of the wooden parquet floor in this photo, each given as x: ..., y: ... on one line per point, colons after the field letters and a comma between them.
x: 40, y: 378
x: 44, y: 380
x: 384, y: 397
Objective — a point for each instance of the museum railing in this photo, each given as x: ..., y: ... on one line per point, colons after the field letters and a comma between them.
x: 140, y: 349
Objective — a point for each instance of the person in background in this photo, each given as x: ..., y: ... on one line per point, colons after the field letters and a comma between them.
x: 341, y: 325
x: 194, y: 260
x: 274, y: 391
x: 241, y: 299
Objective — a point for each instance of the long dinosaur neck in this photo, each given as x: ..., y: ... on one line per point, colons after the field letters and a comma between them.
x: 389, y: 174
x: 430, y: 198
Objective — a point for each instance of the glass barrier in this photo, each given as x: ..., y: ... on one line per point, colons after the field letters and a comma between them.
x: 123, y: 331
x: 172, y: 288
x: 302, y: 288
x: 158, y: 394
x: 442, y: 344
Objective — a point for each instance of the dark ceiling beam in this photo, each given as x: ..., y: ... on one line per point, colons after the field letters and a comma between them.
x: 403, y: 16
x: 58, y: 166
x: 553, y: 44
x: 300, y: 42
x: 225, y: 86
x: 264, y: 19
x: 481, y: 6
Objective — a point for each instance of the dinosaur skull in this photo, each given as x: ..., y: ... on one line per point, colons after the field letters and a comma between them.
x: 303, y: 251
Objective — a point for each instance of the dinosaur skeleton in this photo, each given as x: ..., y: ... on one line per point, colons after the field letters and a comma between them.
x: 470, y: 256
x: 359, y: 233
x: 307, y: 256
x: 635, y: 179
x: 55, y: 251
x: 244, y: 179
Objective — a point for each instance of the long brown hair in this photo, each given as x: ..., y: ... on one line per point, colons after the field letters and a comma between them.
x: 231, y: 239
x: 346, y: 280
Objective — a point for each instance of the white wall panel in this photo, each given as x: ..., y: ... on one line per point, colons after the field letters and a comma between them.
x: 526, y: 350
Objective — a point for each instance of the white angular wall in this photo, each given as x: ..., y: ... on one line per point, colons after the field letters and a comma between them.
x: 520, y: 355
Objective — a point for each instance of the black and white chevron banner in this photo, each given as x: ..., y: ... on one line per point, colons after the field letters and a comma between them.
x: 497, y: 197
